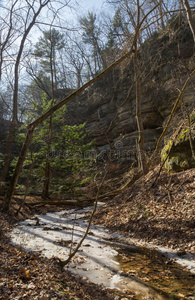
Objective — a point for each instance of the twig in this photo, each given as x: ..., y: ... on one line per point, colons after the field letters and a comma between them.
x: 171, y: 117
x: 27, y: 184
x: 63, y: 263
x: 164, y: 161
x: 72, y: 236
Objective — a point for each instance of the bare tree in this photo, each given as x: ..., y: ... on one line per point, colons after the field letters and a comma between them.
x: 29, y: 21
x: 76, y: 61
x: 31, y: 127
x: 190, y: 17
x: 140, y: 144
x: 7, y: 27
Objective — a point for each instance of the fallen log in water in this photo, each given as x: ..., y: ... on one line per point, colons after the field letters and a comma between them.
x: 80, y: 203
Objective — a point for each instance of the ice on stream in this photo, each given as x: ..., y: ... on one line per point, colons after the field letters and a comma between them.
x: 55, y: 233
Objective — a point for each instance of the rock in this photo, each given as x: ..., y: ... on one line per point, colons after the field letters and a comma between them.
x: 109, y: 106
x: 192, y: 249
x: 177, y: 153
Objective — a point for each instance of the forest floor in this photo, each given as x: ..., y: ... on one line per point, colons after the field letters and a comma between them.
x: 157, y: 208
x: 28, y: 275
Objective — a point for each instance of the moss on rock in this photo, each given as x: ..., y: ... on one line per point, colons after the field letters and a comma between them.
x: 177, y: 163
x: 177, y: 153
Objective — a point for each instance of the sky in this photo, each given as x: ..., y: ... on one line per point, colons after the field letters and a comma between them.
x: 92, y: 4
x: 95, y: 6
x: 71, y: 16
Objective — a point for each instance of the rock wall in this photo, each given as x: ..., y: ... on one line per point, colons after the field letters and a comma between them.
x: 178, y: 154
x: 109, y: 108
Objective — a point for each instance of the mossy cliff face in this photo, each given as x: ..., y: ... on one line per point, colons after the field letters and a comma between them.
x: 177, y: 154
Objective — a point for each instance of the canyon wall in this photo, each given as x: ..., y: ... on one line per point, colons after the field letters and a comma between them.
x: 109, y: 106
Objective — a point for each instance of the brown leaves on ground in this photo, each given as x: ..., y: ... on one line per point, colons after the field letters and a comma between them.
x: 27, y: 275
x: 157, y: 209
x: 162, y: 213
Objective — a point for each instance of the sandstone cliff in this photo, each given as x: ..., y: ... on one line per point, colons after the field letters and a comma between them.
x: 109, y: 108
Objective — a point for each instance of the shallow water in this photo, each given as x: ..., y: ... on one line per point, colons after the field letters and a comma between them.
x: 104, y: 258
x: 152, y: 268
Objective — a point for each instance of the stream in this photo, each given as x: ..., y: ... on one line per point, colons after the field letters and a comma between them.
x: 148, y: 271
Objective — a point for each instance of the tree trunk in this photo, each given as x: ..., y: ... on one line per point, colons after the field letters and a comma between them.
x: 140, y: 144
x: 45, y: 191
x: 7, y: 38
x: 7, y: 157
x: 190, y: 18
x: 162, y: 16
x: 15, y: 176
x: 42, y: 118
x: 15, y: 96
x: 27, y: 184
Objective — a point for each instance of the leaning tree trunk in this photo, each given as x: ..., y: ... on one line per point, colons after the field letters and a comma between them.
x: 16, y: 174
x: 33, y: 125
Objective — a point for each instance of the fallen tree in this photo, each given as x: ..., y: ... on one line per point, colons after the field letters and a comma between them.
x: 31, y: 127
x: 79, y: 203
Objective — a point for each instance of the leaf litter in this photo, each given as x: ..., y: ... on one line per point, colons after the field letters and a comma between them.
x: 145, y: 212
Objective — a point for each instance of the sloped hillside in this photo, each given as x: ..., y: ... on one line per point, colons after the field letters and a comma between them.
x: 158, y: 208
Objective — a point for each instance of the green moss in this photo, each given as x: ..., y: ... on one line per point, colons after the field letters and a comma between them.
x: 146, y: 213
x: 177, y: 154
x: 185, y: 130
x: 165, y: 151
x: 177, y: 163
x: 183, y: 134
x: 192, y: 119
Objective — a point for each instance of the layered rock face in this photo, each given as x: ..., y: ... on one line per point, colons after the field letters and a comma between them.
x: 109, y: 106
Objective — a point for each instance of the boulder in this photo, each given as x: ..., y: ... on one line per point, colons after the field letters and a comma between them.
x: 177, y: 154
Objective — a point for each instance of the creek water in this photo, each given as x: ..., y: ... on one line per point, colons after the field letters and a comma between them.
x: 106, y: 258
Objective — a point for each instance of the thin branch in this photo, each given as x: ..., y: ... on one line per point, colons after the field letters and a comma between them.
x: 170, y: 117
x: 63, y: 263
x: 33, y: 125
